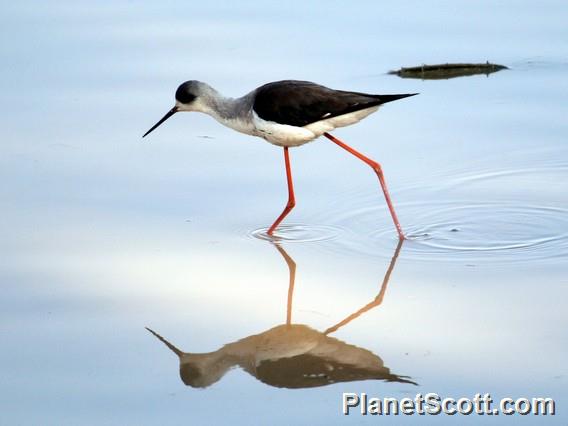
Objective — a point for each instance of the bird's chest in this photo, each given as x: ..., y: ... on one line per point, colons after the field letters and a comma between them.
x: 240, y: 125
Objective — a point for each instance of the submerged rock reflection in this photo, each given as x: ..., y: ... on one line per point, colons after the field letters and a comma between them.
x: 291, y: 355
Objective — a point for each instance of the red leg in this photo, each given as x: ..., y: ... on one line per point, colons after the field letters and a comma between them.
x: 377, y: 168
x: 291, y: 200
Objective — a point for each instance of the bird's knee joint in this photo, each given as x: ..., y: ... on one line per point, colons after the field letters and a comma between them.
x: 376, y: 167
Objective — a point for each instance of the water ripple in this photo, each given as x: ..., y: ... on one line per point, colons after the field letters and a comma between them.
x: 462, y: 231
x: 298, y: 233
x: 552, y: 172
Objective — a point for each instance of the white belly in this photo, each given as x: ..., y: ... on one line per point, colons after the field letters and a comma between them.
x: 281, y: 134
x: 285, y: 135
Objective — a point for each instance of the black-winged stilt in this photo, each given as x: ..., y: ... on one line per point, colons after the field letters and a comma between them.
x: 287, y: 113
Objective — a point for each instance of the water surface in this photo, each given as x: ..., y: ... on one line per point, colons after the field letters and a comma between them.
x: 104, y: 234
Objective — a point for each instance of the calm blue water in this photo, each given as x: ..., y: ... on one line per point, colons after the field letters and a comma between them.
x: 104, y: 234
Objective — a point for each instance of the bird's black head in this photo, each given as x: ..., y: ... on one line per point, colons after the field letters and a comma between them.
x: 187, y: 92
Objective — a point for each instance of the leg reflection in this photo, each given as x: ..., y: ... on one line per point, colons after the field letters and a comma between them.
x: 291, y: 278
x: 377, y: 300
x: 374, y: 303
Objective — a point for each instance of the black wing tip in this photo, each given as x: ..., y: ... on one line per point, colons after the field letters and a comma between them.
x: 389, y: 98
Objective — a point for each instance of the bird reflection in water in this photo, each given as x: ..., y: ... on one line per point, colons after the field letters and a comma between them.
x: 291, y: 355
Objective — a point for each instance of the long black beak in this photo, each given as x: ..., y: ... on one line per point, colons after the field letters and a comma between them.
x: 164, y: 118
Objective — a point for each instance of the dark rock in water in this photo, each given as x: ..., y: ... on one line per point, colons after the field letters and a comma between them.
x: 446, y: 71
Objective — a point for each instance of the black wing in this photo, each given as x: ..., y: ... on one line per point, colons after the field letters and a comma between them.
x: 299, y: 103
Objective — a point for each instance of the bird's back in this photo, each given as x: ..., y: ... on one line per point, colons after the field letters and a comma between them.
x: 300, y: 103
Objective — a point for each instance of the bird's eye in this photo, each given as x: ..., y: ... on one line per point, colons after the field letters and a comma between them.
x: 185, y: 97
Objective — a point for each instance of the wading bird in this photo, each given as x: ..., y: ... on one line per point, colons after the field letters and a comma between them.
x: 287, y: 113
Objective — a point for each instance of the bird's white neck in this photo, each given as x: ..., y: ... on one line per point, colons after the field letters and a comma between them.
x: 231, y: 112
